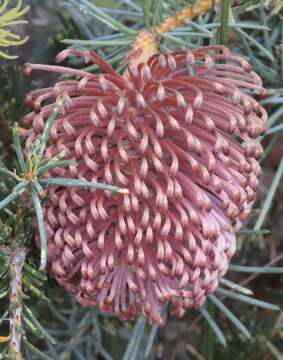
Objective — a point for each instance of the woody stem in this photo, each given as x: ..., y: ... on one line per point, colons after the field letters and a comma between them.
x: 17, y: 263
x: 146, y: 44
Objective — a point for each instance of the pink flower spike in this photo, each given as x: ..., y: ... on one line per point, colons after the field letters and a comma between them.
x: 180, y: 132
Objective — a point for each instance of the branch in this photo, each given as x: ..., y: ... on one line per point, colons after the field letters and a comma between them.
x: 16, y: 283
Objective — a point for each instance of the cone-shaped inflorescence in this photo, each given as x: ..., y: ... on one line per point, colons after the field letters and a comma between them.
x: 179, y: 132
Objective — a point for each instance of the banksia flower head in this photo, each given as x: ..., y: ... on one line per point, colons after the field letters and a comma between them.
x: 179, y: 131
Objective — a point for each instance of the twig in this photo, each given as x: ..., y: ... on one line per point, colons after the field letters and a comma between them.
x: 187, y: 13
x: 270, y: 263
x: 16, y: 265
x: 193, y: 351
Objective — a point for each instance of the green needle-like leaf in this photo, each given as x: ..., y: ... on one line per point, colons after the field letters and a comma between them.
x: 98, y: 43
x: 4, y: 292
x: 275, y: 129
x: 256, y: 269
x: 41, y: 228
x: 50, y: 121
x: 32, y: 280
x: 36, y: 185
x: 147, y: 12
x: 96, y: 12
x: 6, y: 172
x: 136, y: 339
x: 219, y: 334
x: 230, y: 316
x: 248, y: 299
x: 274, y: 117
x: 3, y: 273
x: 256, y: 43
x: 38, y: 326
x: 31, y: 327
x: 82, y: 184
x: 35, y: 273
x: 35, y: 350
x: 3, y: 354
x: 18, y: 190
x: 150, y: 340
x: 55, y: 164
x: 4, y: 317
x: 19, y: 153
x: 236, y: 287
x: 238, y: 24
x: 270, y: 196
x: 34, y: 289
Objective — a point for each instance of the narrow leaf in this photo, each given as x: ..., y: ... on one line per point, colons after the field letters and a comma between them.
x: 274, y: 351
x: 4, y: 270
x: 274, y: 117
x: 3, y: 354
x: 34, y: 289
x: 38, y: 188
x: 189, y: 33
x: 241, y: 25
x: 135, y: 342
x: 32, y: 279
x: 256, y: 269
x: 39, y: 149
x: 248, y: 299
x: 147, y: 12
x: 18, y: 190
x: 256, y: 43
x: 150, y: 340
x: 42, y: 231
x: 38, y: 326
x: 19, y: 153
x: 268, y: 201
x: 219, y: 334
x: 4, y: 292
x: 31, y: 327
x: 41, y: 276
x: 275, y: 129
x: 83, y: 184
x: 101, y: 15
x: 6, y: 172
x: 35, y: 350
x: 4, y: 317
x: 55, y: 164
x: 230, y: 316
x: 236, y: 287
x: 98, y: 43
x: 177, y: 40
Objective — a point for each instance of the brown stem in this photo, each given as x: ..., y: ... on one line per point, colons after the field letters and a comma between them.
x: 146, y: 43
x: 17, y: 257
x: 16, y: 265
x: 187, y: 13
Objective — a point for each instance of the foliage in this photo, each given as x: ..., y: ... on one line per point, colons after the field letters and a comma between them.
x: 10, y: 18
